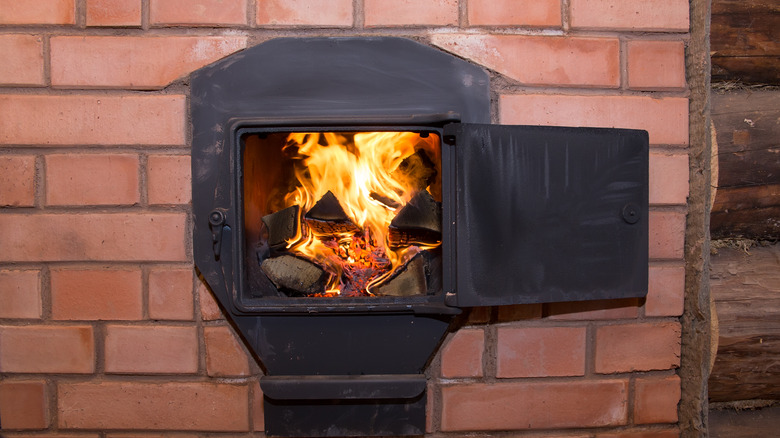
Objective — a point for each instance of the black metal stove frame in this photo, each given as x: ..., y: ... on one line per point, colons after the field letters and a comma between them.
x: 530, y: 214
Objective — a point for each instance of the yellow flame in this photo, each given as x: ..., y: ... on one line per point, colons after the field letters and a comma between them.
x: 358, y: 169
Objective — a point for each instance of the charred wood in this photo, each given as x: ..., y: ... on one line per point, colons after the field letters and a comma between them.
x: 418, y: 222
x: 282, y: 226
x: 295, y: 276
x: 416, y: 171
x: 327, y: 217
x: 385, y: 200
x: 408, y: 280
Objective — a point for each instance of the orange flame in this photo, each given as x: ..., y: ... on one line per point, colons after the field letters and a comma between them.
x: 358, y: 168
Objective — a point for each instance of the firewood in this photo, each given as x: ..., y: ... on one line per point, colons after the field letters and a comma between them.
x: 408, y: 280
x: 282, y: 226
x: 416, y: 172
x: 418, y: 222
x: 327, y: 217
x: 295, y: 276
x: 385, y: 200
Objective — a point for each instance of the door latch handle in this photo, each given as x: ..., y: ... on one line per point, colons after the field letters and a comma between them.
x: 216, y: 223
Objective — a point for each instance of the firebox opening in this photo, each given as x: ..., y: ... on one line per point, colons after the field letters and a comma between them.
x: 342, y: 213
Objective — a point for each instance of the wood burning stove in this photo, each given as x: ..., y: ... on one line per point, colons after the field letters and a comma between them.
x: 490, y: 215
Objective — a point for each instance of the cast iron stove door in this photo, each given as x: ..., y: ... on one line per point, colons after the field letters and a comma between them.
x: 545, y: 214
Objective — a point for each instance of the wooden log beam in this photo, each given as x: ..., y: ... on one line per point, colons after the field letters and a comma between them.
x: 746, y: 289
x: 748, y: 187
x: 745, y: 41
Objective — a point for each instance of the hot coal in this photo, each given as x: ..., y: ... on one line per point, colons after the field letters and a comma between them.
x: 410, y: 279
x: 416, y: 171
x: 418, y: 223
x: 362, y: 262
x: 282, y: 226
x: 296, y: 276
x: 327, y: 217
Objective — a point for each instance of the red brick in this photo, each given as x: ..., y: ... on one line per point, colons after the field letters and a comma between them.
x: 24, y: 405
x: 17, y: 181
x: 540, y: 351
x: 47, y: 349
x: 534, y: 405
x: 145, y: 63
x: 20, y: 293
x: 462, y: 354
x: 519, y: 312
x: 81, y: 179
x: 96, y: 294
x: 514, y: 13
x: 98, y: 236
x: 666, y: 291
x: 169, y: 179
x: 197, y: 12
x: 656, y: 64
x: 667, y: 235
x: 637, y: 347
x: 209, y: 309
x: 163, y: 406
x: 37, y: 11
x: 656, y: 399
x: 671, y: 15
x: 665, y: 119
x: 155, y: 435
x: 49, y: 434
x: 151, y: 349
x: 170, y: 294
x: 258, y: 417
x: 668, y: 178
x: 563, y: 435
x: 410, y: 12
x: 594, y: 310
x: 114, y: 13
x: 22, y: 60
x: 92, y: 120
x: 654, y: 433
x: 545, y: 60
x: 321, y: 13
x: 224, y: 353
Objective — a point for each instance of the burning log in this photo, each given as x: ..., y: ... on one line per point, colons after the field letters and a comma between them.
x: 327, y: 217
x: 419, y: 222
x: 416, y: 171
x: 385, y: 200
x: 297, y: 276
x: 408, y: 280
x: 282, y: 226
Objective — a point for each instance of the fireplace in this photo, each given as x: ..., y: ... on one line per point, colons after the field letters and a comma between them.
x: 344, y: 309
x: 342, y: 214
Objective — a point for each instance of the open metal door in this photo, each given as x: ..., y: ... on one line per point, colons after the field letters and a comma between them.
x: 543, y: 214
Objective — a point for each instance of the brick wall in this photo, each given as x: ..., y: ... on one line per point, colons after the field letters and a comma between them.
x: 107, y: 332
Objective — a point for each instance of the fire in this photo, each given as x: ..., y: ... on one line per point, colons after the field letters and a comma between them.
x: 362, y: 171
